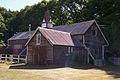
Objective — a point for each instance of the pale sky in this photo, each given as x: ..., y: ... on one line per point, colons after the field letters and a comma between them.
x: 17, y: 4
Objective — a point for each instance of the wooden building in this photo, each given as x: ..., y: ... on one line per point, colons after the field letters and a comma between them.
x: 17, y: 42
x: 78, y: 43
x: 47, y: 46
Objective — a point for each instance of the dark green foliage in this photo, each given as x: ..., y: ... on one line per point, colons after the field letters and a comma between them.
x: 107, y: 14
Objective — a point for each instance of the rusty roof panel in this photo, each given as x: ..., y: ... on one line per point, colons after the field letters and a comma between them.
x: 57, y: 37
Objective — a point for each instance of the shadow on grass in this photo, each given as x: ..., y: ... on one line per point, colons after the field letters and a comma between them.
x: 28, y: 66
x: 84, y: 67
x: 109, y: 69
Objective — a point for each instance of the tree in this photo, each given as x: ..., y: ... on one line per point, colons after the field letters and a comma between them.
x: 2, y: 25
x: 2, y: 29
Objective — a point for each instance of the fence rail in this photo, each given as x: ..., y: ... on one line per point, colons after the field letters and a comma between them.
x: 13, y: 58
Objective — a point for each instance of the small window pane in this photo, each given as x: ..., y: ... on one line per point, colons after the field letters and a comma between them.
x: 94, y: 32
x: 69, y: 50
x: 38, y: 39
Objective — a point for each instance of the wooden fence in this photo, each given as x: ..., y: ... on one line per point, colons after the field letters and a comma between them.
x: 13, y: 58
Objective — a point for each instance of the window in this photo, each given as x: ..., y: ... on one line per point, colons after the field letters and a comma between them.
x: 70, y: 49
x: 17, y: 46
x: 38, y: 39
x: 94, y: 32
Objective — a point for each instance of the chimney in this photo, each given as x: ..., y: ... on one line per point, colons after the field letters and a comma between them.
x: 29, y: 27
x: 29, y: 31
x: 47, y: 22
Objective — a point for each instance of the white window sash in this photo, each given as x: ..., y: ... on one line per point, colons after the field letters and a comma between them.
x: 38, y: 42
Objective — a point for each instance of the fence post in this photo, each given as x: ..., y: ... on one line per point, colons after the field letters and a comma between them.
x: 18, y: 59
x: 6, y: 57
x: 0, y: 57
x: 11, y: 58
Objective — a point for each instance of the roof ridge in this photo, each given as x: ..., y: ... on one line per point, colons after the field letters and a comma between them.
x: 54, y: 30
x: 74, y: 23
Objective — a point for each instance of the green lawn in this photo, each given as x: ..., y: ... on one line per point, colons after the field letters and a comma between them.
x: 81, y: 73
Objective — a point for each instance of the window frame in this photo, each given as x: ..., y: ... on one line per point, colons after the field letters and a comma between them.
x: 38, y: 36
x: 94, y: 32
x: 69, y: 50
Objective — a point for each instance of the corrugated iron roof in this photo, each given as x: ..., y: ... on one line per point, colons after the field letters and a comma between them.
x: 21, y: 35
x: 76, y: 28
x: 57, y: 37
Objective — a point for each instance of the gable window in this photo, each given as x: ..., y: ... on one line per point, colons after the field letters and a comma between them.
x: 94, y: 32
x: 38, y: 39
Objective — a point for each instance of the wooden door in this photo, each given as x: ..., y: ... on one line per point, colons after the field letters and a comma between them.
x: 39, y: 55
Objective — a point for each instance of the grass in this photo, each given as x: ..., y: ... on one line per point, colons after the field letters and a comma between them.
x: 79, y: 73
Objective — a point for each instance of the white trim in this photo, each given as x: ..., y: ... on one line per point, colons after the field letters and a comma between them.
x: 69, y: 49
x: 83, y: 39
x: 72, y: 50
x: 103, y: 51
x: 26, y: 56
x: 27, y: 51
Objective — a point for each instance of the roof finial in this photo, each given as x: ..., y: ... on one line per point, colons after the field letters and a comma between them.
x: 47, y: 22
